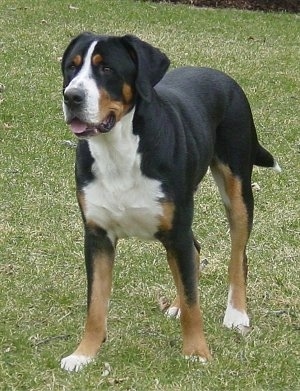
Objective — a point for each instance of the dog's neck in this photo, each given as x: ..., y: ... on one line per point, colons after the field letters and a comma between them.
x: 116, y: 152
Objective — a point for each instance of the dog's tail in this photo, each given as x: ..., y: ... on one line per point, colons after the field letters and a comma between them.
x: 264, y: 158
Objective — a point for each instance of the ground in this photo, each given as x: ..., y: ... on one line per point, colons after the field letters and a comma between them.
x: 262, y: 5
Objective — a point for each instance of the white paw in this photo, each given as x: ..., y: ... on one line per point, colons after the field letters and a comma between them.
x: 192, y: 358
x: 173, y: 312
x: 235, y: 319
x: 74, y: 362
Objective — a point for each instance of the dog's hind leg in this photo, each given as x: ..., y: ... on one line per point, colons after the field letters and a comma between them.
x: 174, y: 309
x: 237, y: 197
x: 99, y: 256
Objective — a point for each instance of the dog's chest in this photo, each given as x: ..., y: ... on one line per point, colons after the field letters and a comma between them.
x: 121, y: 199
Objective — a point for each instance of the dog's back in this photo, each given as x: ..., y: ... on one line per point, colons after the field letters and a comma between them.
x: 214, y: 109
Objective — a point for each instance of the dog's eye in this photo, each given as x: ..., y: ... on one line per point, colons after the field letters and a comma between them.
x: 72, y: 67
x: 105, y: 69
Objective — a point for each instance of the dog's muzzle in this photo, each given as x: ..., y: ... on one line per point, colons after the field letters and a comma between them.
x: 74, y: 109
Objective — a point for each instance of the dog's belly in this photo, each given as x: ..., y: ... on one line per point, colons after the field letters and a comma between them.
x: 126, y: 209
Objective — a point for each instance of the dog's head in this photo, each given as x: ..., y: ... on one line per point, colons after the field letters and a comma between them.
x: 103, y: 78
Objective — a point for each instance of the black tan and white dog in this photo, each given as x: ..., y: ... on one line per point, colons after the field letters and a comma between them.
x: 146, y: 139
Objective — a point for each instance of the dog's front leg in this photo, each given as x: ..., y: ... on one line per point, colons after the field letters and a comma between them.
x: 99, y: 256
x: 183, y: 261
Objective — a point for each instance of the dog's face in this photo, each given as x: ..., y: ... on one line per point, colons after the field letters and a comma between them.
x: 98, y: 87
x: 101, y: 77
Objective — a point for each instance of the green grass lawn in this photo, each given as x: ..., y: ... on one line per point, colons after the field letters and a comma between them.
x: 42, y: 277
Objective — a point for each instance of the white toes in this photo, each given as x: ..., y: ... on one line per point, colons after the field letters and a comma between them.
x: 235, y: 319
x: 192, y: 358
x: 173, y: 312
x: 74, y: 362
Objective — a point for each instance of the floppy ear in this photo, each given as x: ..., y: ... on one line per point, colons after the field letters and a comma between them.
x: 152, y: 64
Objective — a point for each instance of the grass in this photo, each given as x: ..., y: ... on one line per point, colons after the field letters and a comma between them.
x: 42, y: 280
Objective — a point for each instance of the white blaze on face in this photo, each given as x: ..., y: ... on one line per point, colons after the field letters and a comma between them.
x: 84, y: 81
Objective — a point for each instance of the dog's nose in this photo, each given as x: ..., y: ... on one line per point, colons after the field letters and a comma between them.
x: 73, y: 97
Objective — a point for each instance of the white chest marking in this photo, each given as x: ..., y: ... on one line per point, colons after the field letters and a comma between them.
x: 121, y: 199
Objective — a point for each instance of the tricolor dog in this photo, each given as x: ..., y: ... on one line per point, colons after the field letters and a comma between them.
x: 145, y: 140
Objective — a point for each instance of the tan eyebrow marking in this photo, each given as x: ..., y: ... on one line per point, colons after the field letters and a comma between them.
x: 77, y: 60
x: 97, y: 59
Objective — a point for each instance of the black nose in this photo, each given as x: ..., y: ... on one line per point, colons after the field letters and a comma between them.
x: 73, y: 97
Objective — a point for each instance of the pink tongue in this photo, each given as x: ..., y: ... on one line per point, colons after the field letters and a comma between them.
x: 77, y: 126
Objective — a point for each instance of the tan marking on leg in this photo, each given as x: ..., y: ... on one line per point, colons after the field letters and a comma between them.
x: 95, y: 327
x: 194, y: 342
x: 173, y: 266
x: 239, y: 232
x: 174, y: 270
x: 166, y: 220
x: 92, y: 225
x: 176, y: 302
x: 82, y: 204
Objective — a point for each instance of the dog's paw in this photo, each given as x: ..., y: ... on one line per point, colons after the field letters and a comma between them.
x: 235, y: 319
x: 196, y: 359
x: 173, y: 312
x: 74, y: 362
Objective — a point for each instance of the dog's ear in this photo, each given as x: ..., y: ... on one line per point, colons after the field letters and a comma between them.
x: 152, y: 64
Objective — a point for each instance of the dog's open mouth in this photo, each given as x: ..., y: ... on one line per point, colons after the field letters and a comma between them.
x: 82, y: 129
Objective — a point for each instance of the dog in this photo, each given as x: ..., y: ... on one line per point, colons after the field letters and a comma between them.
x: 146, y: 138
